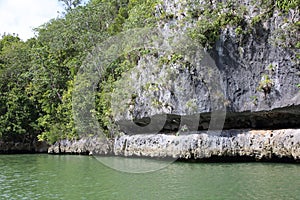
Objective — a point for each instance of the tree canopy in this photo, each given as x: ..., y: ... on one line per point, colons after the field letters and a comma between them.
x: 37, y: 76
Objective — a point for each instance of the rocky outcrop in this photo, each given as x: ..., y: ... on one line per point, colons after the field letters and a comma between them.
x: 260, y: 145
x: 266, y: 145
x: 255, y: 72
x: 20, y: 147
x: 244, y: 85
x: 84, y: 146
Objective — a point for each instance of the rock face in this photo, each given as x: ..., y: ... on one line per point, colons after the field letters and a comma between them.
x: 268, y: 145
x: 261, y: 145
x: 19, y: 147
x: 245, y: 84
x: 256, y: 73
x: 84, y: 146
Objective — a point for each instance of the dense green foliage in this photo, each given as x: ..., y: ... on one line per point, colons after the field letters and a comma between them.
x: 37, y: 76
x: 213, y: 19
x: 18, y: 113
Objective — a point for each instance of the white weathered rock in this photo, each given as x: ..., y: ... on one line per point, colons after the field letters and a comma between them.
x: 259, y: 144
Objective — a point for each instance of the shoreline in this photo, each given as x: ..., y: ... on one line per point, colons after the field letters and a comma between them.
x: 223, y: 159
x: 281, y: 145
x: 236, y: 145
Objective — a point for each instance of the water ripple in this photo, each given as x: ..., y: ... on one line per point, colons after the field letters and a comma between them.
x: 83, y: 177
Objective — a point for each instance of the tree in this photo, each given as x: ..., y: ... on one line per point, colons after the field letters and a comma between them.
x: 17, y: 111
x: 70, y: 4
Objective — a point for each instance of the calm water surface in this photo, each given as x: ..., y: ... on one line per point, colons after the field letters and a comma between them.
x: 83, y: 177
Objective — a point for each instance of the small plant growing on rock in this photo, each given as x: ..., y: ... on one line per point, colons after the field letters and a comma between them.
x: 256, y: 19
x: 270, y: 67
x: 239, y: 30
x: 265, y: 85
x: 254, y: 100
x: 286, y: 5
x: 183, y: 129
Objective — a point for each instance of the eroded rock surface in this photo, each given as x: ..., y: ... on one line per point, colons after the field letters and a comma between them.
x: 84, y: 146
x: 251, y: 144
x: 237, y: 66
x: 20, y: 147
x: 262, y: 144
x: 249, y: 75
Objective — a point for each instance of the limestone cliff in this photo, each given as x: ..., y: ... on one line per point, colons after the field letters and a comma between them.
x: 246, y: 102
x: 257, y: 71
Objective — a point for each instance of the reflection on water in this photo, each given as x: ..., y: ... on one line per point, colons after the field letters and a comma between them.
x: 134, y: 165
x: 83, y: 177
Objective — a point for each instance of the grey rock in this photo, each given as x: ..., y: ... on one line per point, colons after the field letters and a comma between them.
x: 241, y: 63
x: 21, y: 147
x: 203, y: 145
x: 156, y: 100
x: 86, y: 146
x: 258, y: 144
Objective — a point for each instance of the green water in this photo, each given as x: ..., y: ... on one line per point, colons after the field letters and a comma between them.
x: 83, y: 177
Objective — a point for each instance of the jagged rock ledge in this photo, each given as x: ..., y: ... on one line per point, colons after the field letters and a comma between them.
x: 21, y: 147
x: 83, y: 146
x: 257, y: 145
